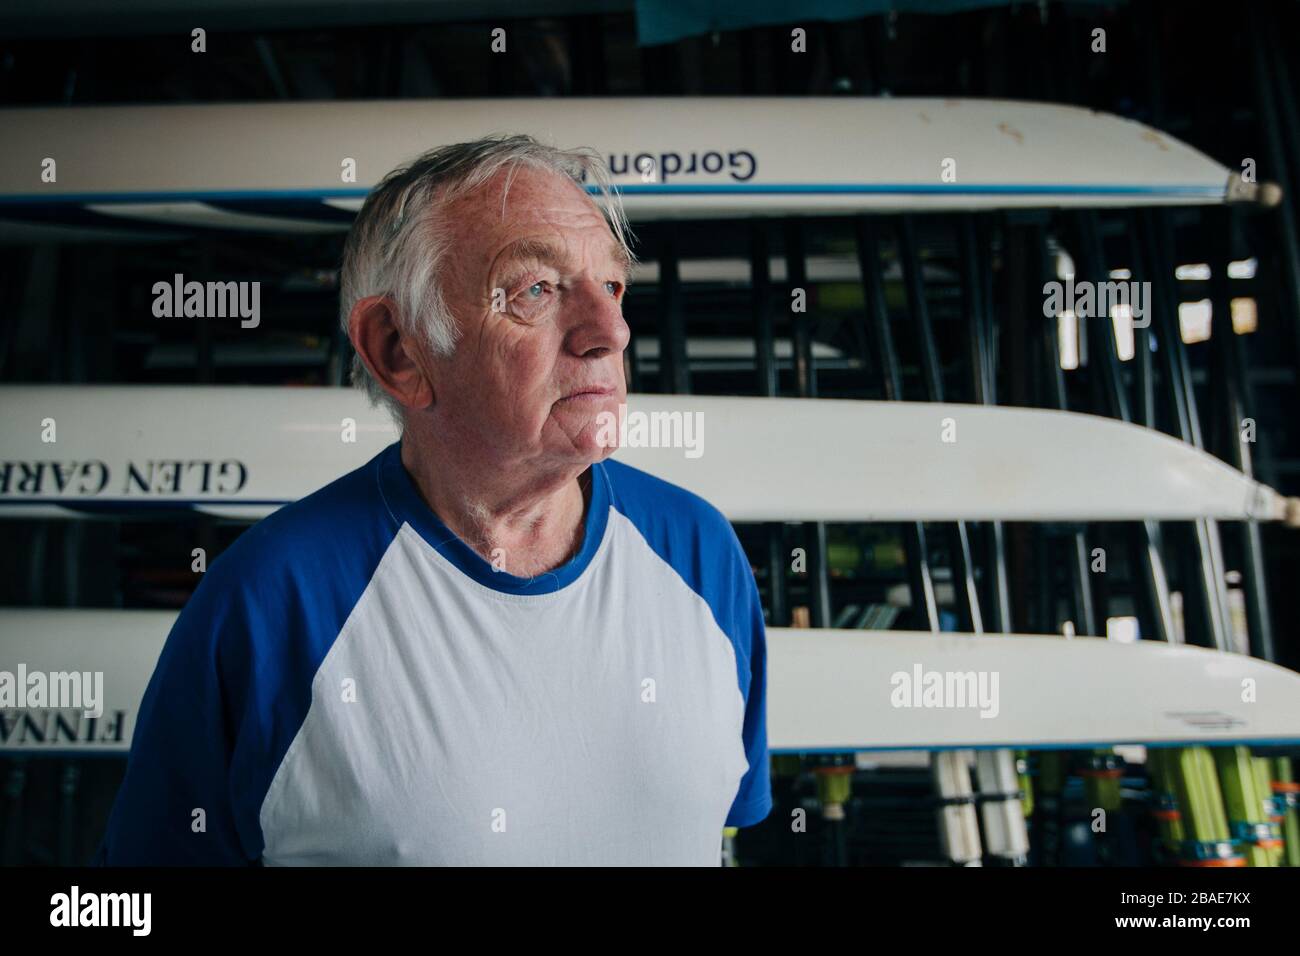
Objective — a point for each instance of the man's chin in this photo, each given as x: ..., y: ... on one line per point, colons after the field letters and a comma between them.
x: 590, y: 446
x: 592, y: 433
x: 602, y: 453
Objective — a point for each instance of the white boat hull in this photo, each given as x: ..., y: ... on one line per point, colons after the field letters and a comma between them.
x: 279, y: 167
x: 827, y: 690
x: 245, y: 451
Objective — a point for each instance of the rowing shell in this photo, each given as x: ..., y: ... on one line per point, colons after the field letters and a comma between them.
x: 245, y: 451
x: 827, y: 690
x: 306, y: 167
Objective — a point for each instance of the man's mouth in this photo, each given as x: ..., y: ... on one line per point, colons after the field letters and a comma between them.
x: 592, y: 393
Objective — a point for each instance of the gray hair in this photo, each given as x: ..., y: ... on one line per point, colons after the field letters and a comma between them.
x: 398, y: 243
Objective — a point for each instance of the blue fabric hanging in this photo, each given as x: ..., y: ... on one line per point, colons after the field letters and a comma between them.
x: 663, y: 21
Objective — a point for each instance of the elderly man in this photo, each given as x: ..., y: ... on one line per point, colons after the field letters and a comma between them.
x: 488, y: 645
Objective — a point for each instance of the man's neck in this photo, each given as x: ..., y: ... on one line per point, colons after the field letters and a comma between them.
x: 522, y: 524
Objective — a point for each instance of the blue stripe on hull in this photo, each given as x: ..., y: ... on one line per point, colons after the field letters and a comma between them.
x: 667, y: 189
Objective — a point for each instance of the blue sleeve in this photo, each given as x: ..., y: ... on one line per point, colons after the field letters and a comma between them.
x: 754, y: 798
x: 234, y: 681
x: 181, y: 802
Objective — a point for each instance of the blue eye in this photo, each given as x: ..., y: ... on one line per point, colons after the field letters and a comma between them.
x: 536, y: 289
x: 612, y: 287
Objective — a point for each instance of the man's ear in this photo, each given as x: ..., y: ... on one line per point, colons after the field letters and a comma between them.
x: 397, y: 363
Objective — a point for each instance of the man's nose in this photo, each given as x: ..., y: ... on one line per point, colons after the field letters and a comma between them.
x: 596, y: 317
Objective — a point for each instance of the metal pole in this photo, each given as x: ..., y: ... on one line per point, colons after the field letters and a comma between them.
x: 765, y: 353
x: 918, y: 553
x: 1116, y: 397
x: 819, y: 584
x: 958, y: 826
x: 1179, y: 380
x: 1080, y: 579
x: 959, y: 543
x: 984, y: 379
x: 1230, y: 370
x: 1004, y: 821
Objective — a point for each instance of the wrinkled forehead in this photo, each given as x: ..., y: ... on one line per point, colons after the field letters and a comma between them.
x: 528, y: 203
x: 524, y: 196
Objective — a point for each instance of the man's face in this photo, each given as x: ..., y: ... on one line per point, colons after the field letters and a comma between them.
x: 536, y: 288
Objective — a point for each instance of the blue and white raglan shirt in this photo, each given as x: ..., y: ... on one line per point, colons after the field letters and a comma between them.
x: 352, y: 684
